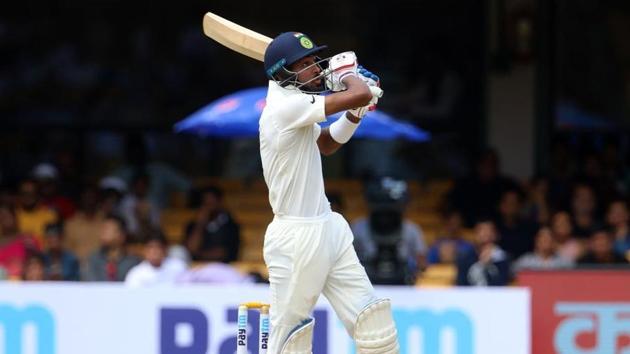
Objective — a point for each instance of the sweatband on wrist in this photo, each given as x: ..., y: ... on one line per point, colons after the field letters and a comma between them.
x: 341, y: 131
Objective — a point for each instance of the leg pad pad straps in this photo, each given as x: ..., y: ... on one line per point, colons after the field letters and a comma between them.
x: 375, y: 331
x: 300, y: 341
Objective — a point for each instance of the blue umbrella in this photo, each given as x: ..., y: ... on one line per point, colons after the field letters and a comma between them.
x: 237, y: 115
x: 569, y: 116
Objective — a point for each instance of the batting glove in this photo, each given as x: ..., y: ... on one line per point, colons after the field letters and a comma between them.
x: 368, y: 77
x: 372, y: 80
x: 361, y: 111
x: 341, y: 66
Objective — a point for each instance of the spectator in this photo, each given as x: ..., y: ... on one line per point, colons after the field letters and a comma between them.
x: 601, y: 250
x: 81, y: 231
x: 488, y: 264
x: 46, y: 176
x: 60, y: 264
x: 478, y: 195
x: 111, y: 262
x: 584, y: 211
x: 450, y: 245
x: 544, y: 256
x: 162, y: 179
x: 568, y: 246
x: 563, y: 169
x: 391, y: 248
x: 603, y: 183
x: 14, y: 247
x: 213, y: 236
x: 34, y: 268
x: 537, y: 207
x: 618, y: 219
x: 517, y: 235
x: 157, y: 268
x: 31, y: 215
x: 112, y: 190
x: 142, y: 217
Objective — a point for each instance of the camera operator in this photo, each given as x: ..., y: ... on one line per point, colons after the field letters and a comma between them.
x: 390, y: 248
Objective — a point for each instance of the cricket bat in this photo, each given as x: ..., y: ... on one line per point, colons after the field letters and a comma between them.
x: 235, y: 37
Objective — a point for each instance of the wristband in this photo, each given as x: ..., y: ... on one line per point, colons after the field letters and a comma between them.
x: 341, y: 131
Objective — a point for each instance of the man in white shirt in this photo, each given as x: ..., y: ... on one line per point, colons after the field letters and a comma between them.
x: 156, y: 269
x: 308, y: 248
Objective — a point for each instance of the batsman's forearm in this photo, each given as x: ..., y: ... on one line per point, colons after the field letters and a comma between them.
x: 360, y: 92
x: 327, y: 145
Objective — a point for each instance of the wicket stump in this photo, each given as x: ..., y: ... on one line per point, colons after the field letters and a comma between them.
x: 263, y: 337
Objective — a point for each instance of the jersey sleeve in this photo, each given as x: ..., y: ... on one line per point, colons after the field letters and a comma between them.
x: 301, y: 111
x: 317, y: 132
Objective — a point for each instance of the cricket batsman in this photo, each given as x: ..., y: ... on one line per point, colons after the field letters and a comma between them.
x: 308, y: 248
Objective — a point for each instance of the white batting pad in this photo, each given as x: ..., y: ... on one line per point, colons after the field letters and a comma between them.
x: 300, y: 341
x: 375, y: 331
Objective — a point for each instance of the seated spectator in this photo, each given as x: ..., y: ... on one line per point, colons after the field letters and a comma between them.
x: 60, y: 264
x: 449, y: 245
x: 142, y: 217
x: 568, y: 247
x: 517, y: 234
x: 47, y: 178
x: 584, y: 211
x: 82, y: 230
x: 34, y: 268
x: 164, y: 179
x: 488, y: 264
x: 618, y: 219
x: 391, y: 249
x: 112, y: 189
x: 32, y: 216
x: 214, y: 236
x: 544, y: 256
x: 157, y: 268
x: 111, y: 262
x: 14, y: 246
x: 537, y: 206
x: 478, y: 195
x: 601, y: 250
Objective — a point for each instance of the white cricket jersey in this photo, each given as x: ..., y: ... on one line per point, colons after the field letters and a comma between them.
x: 291, y: 160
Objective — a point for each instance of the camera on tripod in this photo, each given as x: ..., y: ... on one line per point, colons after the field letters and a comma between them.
x: 387, y: 199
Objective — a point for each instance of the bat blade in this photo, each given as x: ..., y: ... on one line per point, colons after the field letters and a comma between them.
x: 235, y: 37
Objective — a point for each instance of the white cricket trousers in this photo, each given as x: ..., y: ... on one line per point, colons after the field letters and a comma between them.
x: 307, y: 257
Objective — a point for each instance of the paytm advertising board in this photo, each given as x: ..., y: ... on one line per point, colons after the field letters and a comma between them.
x: 63, y: 318
x: 580, y: 312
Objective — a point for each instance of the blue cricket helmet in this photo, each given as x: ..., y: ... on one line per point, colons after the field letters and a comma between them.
x: 286, y: 49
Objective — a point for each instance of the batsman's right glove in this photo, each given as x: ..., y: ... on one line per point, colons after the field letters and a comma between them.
x: 372, y: 80
x: 361, y: 111
x: 368, y: 77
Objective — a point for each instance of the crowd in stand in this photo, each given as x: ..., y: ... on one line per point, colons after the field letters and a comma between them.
x: 111, y: 233
x: 492, y: 228
x: 569, y: 219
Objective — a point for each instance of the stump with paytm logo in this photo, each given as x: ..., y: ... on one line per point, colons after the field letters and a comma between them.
x: 241, y: 336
